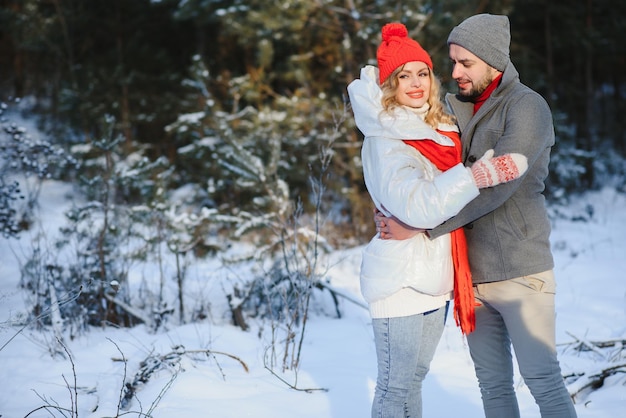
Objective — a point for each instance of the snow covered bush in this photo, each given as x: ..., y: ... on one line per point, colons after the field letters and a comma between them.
x: 25, y: 161
x: 117, y: 220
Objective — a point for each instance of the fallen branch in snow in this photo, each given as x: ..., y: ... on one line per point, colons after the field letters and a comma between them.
x: 581, y: 344
x: 592, y: 380
x: 336, y: 292
x: 613, y: 357
x: 171, y: 360
x: 129, y: 309
x: 213, y: 353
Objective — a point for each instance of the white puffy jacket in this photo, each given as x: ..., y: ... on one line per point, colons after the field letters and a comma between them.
x: 404, y: 183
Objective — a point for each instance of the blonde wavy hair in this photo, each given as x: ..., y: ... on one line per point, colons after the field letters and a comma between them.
x: 436, y: 114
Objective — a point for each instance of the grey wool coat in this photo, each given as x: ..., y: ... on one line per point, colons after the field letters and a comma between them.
x: 507, y: 226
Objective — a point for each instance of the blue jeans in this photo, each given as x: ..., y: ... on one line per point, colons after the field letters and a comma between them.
x: 520, y: 313
x: 405, y: 346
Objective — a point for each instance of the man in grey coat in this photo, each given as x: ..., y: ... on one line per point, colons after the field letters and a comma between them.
x: 507, y: 226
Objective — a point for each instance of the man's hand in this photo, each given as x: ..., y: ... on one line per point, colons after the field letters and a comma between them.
x: 393, y: 228
x: 490, y: 171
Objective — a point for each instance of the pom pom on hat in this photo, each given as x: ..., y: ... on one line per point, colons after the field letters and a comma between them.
x: 397, y: 49
x: 394, y: 29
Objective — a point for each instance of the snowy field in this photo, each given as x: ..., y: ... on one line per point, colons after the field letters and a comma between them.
x: 338, y: 360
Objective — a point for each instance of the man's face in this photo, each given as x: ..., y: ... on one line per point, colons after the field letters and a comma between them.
x: 471, y: 74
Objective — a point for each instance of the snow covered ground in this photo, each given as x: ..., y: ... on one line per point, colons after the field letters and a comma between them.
x: 338, y: 359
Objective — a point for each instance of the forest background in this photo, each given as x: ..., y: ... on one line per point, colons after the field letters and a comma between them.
x: 190, y: 129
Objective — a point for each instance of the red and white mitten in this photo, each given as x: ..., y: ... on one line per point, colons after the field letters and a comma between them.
x: 490, y: 171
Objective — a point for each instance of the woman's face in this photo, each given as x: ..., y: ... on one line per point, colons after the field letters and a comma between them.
x: 413, y: 84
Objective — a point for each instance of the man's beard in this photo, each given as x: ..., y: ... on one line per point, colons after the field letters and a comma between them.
x: 479, y: 87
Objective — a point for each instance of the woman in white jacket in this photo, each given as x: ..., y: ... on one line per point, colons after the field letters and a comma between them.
x: 413, y: 172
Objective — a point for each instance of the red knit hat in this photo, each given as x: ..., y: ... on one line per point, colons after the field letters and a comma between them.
x: 397, y: 49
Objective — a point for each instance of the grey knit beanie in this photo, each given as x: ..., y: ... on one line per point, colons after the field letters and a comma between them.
x: 486, y: 36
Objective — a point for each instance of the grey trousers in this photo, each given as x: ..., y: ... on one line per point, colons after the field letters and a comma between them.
x: 520, y: 313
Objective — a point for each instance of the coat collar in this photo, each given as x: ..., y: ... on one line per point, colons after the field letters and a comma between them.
x: 463, y: 109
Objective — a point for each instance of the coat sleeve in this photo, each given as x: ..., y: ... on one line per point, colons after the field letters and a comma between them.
x: 403, y: 183
x: 399, y: 179
x: 529, y: 131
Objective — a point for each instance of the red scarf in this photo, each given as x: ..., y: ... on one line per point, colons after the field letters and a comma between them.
x: 444, y: 158
x: 478, y: 102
